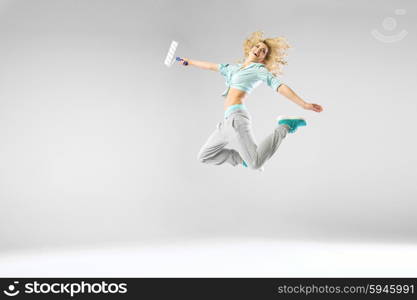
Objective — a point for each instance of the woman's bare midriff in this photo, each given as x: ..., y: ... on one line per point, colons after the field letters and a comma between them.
x: 234, y: 96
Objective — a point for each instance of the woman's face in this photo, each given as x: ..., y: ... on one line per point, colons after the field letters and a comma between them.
x: 258, y: 52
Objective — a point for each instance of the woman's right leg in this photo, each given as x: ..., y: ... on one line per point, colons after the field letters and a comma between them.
x: 214, y: 151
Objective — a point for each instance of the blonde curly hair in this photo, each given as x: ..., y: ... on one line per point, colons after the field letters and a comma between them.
x: 277, y: 51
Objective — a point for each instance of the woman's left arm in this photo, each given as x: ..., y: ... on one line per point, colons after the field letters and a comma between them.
x: 290, y: 94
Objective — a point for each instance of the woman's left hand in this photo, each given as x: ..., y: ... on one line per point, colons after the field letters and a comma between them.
x: 313, y: 107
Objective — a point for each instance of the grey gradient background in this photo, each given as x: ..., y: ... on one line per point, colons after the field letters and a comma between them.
x: 98, y: 139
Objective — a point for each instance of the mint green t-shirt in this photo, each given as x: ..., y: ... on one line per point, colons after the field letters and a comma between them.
x: 248, y: 78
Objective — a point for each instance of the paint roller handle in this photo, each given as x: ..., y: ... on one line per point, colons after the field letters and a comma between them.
x: 184, y: 62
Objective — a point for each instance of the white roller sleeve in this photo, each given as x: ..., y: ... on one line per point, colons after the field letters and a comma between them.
x: 169, y: 60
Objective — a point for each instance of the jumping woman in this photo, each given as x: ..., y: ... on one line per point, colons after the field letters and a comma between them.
x: 263, y: 60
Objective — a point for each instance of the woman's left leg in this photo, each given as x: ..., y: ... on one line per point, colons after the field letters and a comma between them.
x: 255, y: 156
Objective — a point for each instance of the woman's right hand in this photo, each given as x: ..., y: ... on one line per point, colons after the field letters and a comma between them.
x: 184, y: 61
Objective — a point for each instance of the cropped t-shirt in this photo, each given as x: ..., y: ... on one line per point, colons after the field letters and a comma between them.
x: 248, y: 78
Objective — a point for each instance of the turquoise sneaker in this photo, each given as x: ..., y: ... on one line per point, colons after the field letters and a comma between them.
x: 261, y: 169
x: 292, y: 122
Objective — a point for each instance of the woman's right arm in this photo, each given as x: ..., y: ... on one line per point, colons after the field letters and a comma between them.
x: 201, y: 64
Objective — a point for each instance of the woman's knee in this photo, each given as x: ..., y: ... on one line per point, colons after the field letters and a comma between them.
x: 200, y: 157
x: 203, y: 156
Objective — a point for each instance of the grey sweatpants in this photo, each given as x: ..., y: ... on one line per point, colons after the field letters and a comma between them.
x: 236, y: 130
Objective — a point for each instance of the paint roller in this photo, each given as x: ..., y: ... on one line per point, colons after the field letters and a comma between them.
x: 169, y: 60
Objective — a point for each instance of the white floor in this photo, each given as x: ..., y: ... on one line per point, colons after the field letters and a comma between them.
x: 219, y: 258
